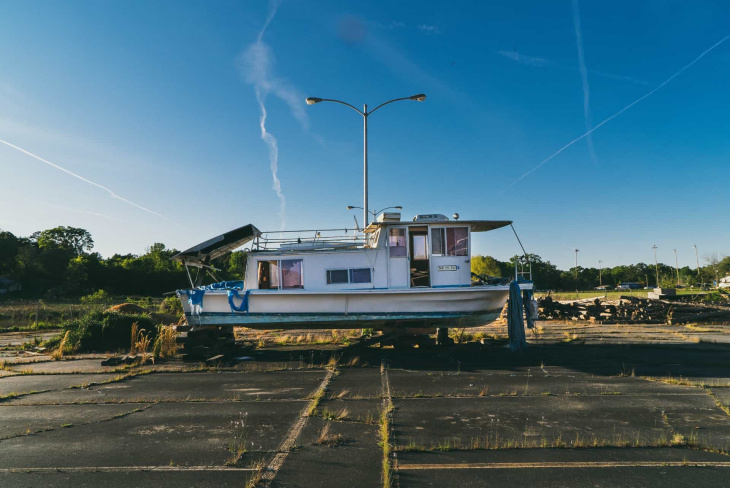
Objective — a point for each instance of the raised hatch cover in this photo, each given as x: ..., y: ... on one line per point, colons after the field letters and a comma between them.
x: 218, y: 246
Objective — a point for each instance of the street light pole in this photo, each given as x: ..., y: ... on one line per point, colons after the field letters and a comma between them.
x: 365, y: 163
x: 697, y: 255
x: 676, y: 265
x: 600, y: 272
x: 576, y: 269
x: 364, y: 112
x: 656, y: 265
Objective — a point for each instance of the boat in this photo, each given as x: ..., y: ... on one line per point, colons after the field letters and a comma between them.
x: 391, y: 274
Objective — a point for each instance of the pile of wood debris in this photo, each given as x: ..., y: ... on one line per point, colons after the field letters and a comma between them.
x: 631, y: 310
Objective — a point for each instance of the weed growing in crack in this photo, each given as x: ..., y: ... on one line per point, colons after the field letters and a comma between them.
x: 385, y: 414
x: 328, y: 438
x: 237, y: 439
x: 259, y: 467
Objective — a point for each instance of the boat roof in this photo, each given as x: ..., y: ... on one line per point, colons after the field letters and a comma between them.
x: 218, y: 246
x: 475, y: 225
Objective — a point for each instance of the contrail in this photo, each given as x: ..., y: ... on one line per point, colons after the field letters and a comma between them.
x: 256, y: 64
x: 584, y: 78
x: 273, y: 156
x: 111, y: 193
x: 659, y: 87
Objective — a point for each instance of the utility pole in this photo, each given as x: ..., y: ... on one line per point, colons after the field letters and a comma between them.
x: 656, y: 265
x: 576, y: 269
x: 676, y: 265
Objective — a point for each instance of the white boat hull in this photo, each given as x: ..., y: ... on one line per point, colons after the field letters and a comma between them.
x: 275, y: 309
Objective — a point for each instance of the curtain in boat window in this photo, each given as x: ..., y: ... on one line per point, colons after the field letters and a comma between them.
x: 291, y: 274
x: 274, y: 274
x: 437, y: 242
x: 268, y: 275
x: 457, y: 241
x: 397, y: 242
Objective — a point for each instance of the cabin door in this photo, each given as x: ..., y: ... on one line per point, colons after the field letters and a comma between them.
x: 419, y: 264
x: 397, y: 258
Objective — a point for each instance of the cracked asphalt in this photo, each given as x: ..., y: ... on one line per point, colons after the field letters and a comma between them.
x: 589, y: 413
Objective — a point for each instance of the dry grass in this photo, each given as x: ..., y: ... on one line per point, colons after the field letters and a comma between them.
x: 328, y: 438
x: 166, y: 343
x: 258, y: 467
x: 484, y: 391
x: 142, y: 343
x: 57, y: 355
x: 496, y: 442
x: 385, y: 414
x: 570, y: 337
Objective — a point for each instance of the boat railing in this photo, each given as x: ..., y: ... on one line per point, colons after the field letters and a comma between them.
x: 310, y: 240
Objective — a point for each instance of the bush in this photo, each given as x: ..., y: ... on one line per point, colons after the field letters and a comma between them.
x: 171, y: 306
x: 99, y: 296
x: 106, y: 331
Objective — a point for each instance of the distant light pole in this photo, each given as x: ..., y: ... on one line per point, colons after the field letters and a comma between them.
x: 676, y: 265
x: 364, y: 112
x: 656, y: 264
x: 576, y: 269
x: 697, y: 255
x: 600, y: 271
x: 375, y: 214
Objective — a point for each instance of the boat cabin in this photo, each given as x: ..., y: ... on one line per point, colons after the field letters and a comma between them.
x: 430, y: 251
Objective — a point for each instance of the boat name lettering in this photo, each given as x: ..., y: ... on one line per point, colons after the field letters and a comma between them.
x: 448, y: 267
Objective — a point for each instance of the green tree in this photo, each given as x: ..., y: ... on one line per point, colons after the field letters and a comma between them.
x: 71, y: 238
x: 9, y: 245
x: 486, y: 266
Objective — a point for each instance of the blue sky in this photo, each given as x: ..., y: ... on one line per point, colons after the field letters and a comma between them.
x: 157, y: 102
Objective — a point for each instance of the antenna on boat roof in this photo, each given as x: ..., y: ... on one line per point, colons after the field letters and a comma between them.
x: 357, y: 226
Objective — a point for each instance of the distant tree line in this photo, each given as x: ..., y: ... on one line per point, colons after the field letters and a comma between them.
x: 547, y: 276
x: 59, y: 262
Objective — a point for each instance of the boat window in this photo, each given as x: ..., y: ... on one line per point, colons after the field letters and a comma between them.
x: 360, y: 275
x: 291, y: 274
x: 397, y: 243
x: 355, y: 275
x: 437, y: 242
x: 457, y: 241
x: 336, y: 276
x: 420, y: 247
x: 268, y: 275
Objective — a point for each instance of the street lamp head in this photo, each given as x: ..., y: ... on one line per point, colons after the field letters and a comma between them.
x: 313, y: 100
x: 350, y: 207
x: 398, y: 207
x: 419, y: 98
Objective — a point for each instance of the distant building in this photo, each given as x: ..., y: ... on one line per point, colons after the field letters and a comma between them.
x: 724, y: 282
x: 8, y: 286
